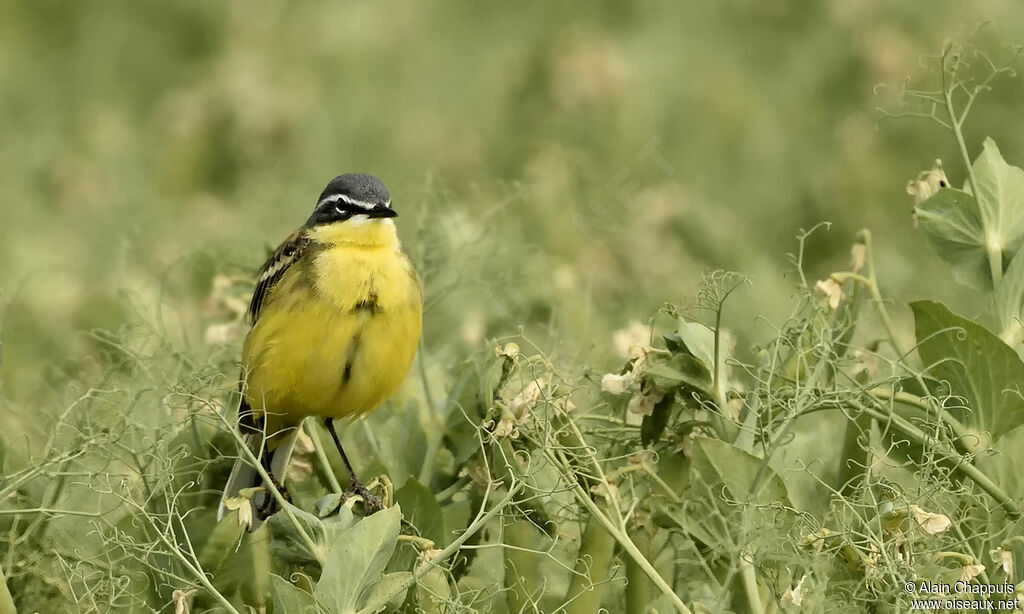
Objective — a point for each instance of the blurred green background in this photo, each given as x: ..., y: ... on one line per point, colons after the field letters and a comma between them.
x: 561, y: 170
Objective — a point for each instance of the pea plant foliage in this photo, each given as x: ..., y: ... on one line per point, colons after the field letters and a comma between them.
x: 831, y: 465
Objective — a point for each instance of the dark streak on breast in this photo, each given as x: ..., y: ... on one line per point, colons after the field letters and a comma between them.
x: 353, y: 351
x: 368, y: 304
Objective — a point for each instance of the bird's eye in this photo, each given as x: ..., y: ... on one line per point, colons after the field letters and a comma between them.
x: 340, y: 210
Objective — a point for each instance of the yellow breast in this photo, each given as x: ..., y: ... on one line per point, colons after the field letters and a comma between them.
x: 339, y: 332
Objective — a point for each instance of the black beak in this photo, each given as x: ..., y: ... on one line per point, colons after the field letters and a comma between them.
x: 381, y: 211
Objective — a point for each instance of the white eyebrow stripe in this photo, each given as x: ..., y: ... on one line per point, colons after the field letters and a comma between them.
x: 333, y: 198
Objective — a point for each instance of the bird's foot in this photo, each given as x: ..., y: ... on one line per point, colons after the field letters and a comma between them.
x: 268, y: 506
x: 371, y: 502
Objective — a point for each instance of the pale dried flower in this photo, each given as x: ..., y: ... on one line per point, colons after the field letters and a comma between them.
x: 606, y: 490
x: 1005, y: 560
x: 643, y: 404
x: 927, y: 184
x: 243, y: 504
x: 830, y: 290
x: 615, y: 383
x: 968, y: 572
x: 180, y: 600
x: 506, y: 426
x: 522, y: 403
x: 930, y: 523
x: 794, y: 596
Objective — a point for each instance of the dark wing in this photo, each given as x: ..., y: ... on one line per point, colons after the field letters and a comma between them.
x: 274, y: 268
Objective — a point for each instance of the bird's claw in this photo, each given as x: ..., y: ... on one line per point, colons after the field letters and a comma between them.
x: 371, y: 502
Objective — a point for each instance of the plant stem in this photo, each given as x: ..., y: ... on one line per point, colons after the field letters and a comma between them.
x: 870, y: 280
x: 750, y: 583
x: 627, y: 544
x: 887, y: 394
x: 6, y: 601
x: 268, y: 483
x: 593, y: 567
x: 196, y: 571
x: 639, y: 590
x: 993, y: 246
x: 960, y: 464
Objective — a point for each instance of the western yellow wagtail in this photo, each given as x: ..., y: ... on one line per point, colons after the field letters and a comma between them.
x: 336, y: 317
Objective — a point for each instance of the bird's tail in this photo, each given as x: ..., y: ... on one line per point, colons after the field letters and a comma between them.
x: 274, y: 454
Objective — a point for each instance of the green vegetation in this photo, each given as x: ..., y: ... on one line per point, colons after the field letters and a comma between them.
x: 599, y: 415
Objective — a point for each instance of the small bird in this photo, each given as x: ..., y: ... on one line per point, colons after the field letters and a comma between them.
x: 335, y: 321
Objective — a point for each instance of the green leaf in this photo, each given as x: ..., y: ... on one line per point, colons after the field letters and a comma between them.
x: 223, y: 541
x: 963, y: 228
x: 289, y: 598
x: 977, y: 365
x: 951, y: 221
x: 422, y: 510
x: 470, y: 396
x: 356, y: 559
x: 667, y: 373
x: 1000, y: 198
x: 288, y: 545
x: 695, y: 338
x: 1008, y: 303
x: 720, y: 462
x: 329, y: 504
x: 387, y: 585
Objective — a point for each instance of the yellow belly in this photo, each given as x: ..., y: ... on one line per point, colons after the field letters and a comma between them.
x: 335, y: 340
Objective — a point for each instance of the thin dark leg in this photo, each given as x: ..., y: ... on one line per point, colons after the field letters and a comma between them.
x: 371, y: 503
x: 269, y: 503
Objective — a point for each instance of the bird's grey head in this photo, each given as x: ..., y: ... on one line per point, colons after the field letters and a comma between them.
x: 351, y: 195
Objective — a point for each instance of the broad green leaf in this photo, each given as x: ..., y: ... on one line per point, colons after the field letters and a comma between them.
x: 289, y: 598
x: 287, y: 544
x: 387, y: 585
x: 286, y: 541
x: 1003, y: 468
x: 422, y: 510
x: 223, y: 541
x: 356, y: 560
x: 697, y: 339
x: 6, y: 601
x: 962, y: 228
x: 977, y: 365
x: 951, y: 221
x: 720, y: 462
x: 1008, y: 303
x: 668, y: 373
x: 470, y: 396
x: 329, y: 504
x: 1000, y: 198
